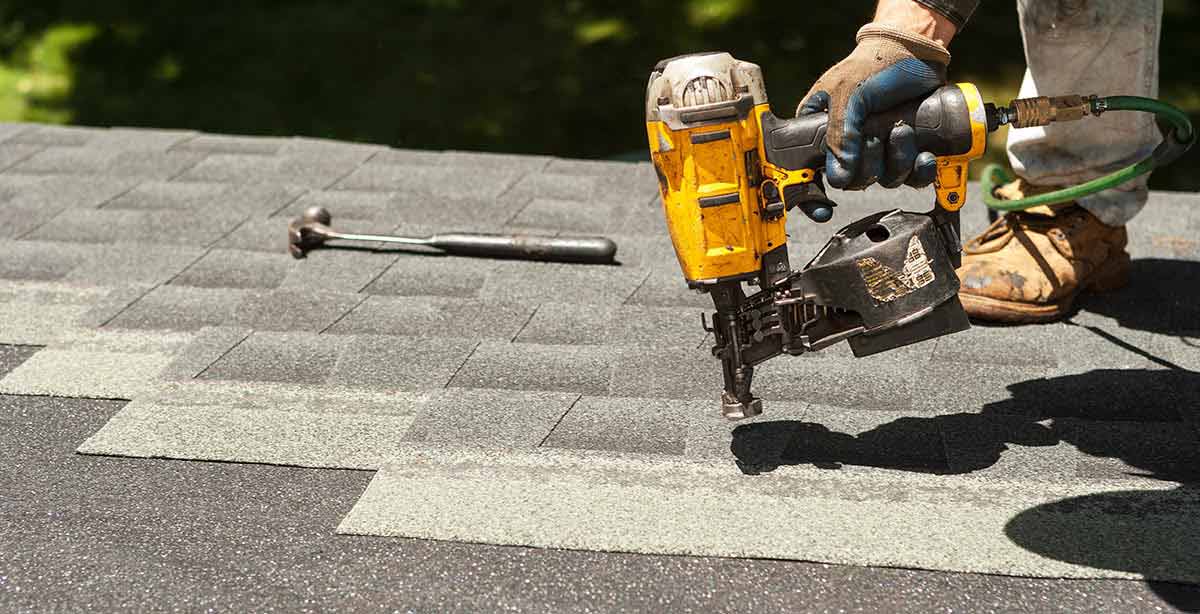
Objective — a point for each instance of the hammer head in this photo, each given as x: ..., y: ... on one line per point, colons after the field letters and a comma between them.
x: 308, y: 231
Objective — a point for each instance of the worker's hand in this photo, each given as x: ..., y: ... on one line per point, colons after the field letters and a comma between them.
x: 889, y: 67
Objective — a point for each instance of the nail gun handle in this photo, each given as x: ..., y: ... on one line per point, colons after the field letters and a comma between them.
x: 941, y: 120
x: 597, y: 250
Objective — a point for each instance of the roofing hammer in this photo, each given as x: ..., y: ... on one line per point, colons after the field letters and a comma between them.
x: 312, y: 230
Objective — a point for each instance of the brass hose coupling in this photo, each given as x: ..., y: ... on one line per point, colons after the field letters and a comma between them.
x: 1045, y: 110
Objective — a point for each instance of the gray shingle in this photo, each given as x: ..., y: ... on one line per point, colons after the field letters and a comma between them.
x: 421, y: 275
x: 711, y: 436
x: 219, y: 143
x: 435, y: 317
x: 56, y: 135
x: 648, y: 426
x: 59, y: 192
x: 667, y: 288
x: 435, y: 181
x: 113, y: 303
x: 1156, y: 395
x: 292, y: 310
x: 572, y: 324
x: 586, y: 188
x: 298, y: 358
x: 179, y: 308
x: 489, y: 417
x: 646, y: 221
x: 496, y: 161
x: 564, y: 166
x: 981, y: 345
x: 421, y: 214
x: 950, y: 388
x: 570, y: 216
x: 524, y: 366
x: 10, y: 155
x: 230, y: 268
x: 832, y: 437
x: 130, y: 263
x: 207, y: 347
x: 408, y: 157
x: 673, y: 373
x: 27, y: 202
x: 885, y: 385
x: 263, y: 198
x: 336, y: 271
x: 549, y: 281
x: 9, y: 130
x: 11, y: 356
x: 144, y: 164
x: 303, y: 145
x: 17, y: 222
x: 146, y: 226
x: 312, y: 170
x: 1123, y: 449
x: 645, y: 252
x: 38, y: 260
x: 257, y: 234
x: 346, y: 205
x: 398, y: 363
x: 138, y: 138
x: 977, y: 442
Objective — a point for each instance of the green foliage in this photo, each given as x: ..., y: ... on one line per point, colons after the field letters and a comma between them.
x: 558, y: 77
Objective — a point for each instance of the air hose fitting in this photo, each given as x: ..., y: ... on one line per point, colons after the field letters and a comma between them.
x: 1045, y: 110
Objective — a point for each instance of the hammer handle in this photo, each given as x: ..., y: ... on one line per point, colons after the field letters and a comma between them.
x: 527, y: 247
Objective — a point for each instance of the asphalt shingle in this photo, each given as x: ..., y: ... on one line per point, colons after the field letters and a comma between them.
x: 435, y: 317
x: 179, y: 308
x: 193, y: 228
x: 139, y: 164
x: 490, y: 417
x: 313, y: 170
x: 293, y: 310
x: 436, y: 181
x: 277, y: 357
x: 208, y: 198
x: 398, y: 363
x: 228, y: 268
x: 155, y: 263
x: 525, y: 366
x: 126, y: 262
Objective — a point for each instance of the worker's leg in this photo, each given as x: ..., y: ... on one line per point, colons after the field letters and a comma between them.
x: 1031, y: 266
x: 1105, y: 47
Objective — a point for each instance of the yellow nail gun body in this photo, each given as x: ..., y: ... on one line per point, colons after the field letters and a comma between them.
x: 729, y: 171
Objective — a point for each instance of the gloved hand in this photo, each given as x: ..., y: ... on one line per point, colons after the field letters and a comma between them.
x: 889, y: 67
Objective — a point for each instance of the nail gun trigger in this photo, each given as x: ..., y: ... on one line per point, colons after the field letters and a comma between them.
x: 811, y: 199
x: 704, y: 323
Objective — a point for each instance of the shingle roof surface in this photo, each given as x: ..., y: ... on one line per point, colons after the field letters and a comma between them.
x: 152, y: 267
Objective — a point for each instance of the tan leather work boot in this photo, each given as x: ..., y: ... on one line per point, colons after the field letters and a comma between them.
x: 1030, y: 265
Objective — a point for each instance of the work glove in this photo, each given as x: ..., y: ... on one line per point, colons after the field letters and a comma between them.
x: 888, y: 68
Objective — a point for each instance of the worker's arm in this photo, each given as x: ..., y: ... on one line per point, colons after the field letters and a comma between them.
x: 901, y: 55
x: 957, y: 11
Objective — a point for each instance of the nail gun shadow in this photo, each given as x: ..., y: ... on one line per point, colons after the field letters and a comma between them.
x: 1108, y: 413
x: 1149, y: 420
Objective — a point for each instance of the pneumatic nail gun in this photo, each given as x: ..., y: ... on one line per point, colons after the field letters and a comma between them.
x: 729, y: 170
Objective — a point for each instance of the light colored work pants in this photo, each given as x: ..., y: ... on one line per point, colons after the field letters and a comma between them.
x: 1105, y: 47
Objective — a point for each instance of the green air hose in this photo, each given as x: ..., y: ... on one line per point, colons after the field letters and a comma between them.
x: 1175, y: 144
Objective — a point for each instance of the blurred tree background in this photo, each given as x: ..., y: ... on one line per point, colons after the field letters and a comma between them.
x: 557, y: 77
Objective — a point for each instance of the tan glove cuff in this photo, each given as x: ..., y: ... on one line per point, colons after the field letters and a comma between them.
x: 918, y: 46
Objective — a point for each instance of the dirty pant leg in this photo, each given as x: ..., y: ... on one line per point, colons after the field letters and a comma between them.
x: 1105, y: 47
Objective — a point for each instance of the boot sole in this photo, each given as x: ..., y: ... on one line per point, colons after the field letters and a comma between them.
x: 1112, y: 277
